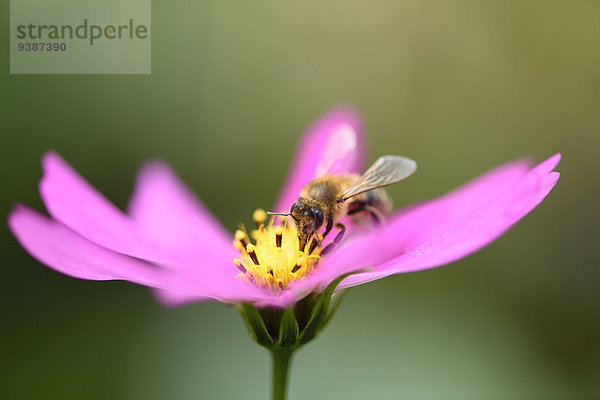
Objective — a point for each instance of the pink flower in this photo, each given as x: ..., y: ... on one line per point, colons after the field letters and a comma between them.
x: 170, y: 242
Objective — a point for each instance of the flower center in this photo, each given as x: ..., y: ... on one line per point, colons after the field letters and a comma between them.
x: 274, y: 259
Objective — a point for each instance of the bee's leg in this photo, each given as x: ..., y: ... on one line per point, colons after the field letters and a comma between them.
x: 373, y: 212
x: 301, y: 243
x: 329, y: 226
x: 316, y: 241
x: 337, y: 240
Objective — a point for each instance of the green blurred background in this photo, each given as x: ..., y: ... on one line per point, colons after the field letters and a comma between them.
x: 460, y: 86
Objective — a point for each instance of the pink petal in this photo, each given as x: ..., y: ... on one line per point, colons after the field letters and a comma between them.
x: 63, y: 250
x: 60, y: 248
x: 200, y: 287
x: 183, y: 237
x: 444, y: 230
x: 71, y: 200
x: 312, y: 148
x: 199, y: 284
x: 169, y: 213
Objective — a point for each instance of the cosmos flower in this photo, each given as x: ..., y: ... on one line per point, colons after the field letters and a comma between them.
x: 169, y: 241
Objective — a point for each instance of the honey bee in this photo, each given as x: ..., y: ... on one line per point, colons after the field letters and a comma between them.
x: 329, y: 197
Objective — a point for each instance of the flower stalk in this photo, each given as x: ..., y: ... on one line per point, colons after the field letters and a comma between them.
x: 281, y: 363
x: 283, y: 331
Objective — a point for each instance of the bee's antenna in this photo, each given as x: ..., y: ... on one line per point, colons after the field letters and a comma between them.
x: 283, y: 214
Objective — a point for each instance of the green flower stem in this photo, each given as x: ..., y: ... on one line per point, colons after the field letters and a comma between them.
x: 281, y: 362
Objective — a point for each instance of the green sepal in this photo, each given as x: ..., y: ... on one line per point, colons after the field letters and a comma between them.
x: 281, y: 329
x: 333, y: 309
x: 288, y: 329
x: 319, y: 313
x: 256, y: 325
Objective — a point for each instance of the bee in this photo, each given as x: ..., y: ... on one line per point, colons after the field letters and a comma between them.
x: 329, y: 196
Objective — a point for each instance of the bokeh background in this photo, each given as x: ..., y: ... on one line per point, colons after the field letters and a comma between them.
x: 460, y: 86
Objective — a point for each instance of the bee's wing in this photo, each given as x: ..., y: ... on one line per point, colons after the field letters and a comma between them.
x: 339, y: 150
x: 385, y: 171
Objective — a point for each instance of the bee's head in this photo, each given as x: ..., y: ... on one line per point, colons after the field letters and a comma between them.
x: 308, y: 219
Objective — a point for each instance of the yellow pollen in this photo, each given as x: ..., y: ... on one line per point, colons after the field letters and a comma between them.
x: 259, y: 216
x: 239, y: 235
x: 241, y: 240
x: 273, y: 260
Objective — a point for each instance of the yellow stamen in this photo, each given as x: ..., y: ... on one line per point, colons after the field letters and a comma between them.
x: 241, y: 240
x: 278, y: 236
x: 252, y: 253
x: 259, y: 216
x: 239, y: 235
x: 238, y: 265
x: 273, y: 260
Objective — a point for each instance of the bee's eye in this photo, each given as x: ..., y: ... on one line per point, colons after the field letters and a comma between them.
x: 318, y: 217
